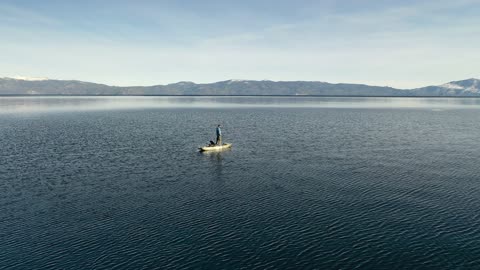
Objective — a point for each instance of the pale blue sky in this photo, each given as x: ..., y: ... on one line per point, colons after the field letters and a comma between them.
x: 397, y: 43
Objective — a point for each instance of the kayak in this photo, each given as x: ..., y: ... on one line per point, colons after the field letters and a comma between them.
x: 216, y: 147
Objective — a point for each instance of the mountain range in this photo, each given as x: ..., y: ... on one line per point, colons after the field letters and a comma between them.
x: 44, y: 86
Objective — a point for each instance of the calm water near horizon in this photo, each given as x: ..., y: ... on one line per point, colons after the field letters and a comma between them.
x: 310, y: 183
x: 92, y: 103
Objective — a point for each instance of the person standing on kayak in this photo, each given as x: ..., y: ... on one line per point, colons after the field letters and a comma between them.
x: 219, y: 135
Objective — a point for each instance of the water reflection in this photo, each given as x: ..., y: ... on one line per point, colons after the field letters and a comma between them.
x: 56, y: 104
x: 216, y: 160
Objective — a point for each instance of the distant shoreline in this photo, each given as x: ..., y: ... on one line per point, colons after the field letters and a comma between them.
x: 291, y: 96
x: 14, y: 87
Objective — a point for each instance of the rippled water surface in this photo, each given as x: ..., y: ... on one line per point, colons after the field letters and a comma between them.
x: 310, y: 183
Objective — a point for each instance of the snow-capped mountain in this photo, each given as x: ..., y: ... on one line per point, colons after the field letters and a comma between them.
x: 470, y: 87
x: 24, y: 78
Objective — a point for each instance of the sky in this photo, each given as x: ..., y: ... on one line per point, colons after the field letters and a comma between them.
x: 403, y: 44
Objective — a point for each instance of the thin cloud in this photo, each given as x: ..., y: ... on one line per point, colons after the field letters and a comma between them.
x: 407, y: 44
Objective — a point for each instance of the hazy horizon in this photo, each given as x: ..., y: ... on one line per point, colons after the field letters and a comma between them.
x: 26, y: 78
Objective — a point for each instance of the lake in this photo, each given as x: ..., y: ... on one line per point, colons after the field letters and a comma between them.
x: 310, y: 183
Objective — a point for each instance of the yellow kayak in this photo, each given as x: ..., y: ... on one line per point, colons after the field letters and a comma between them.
x: 216, y: 147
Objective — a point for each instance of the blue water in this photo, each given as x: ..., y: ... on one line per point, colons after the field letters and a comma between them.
x: 310, y: 183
